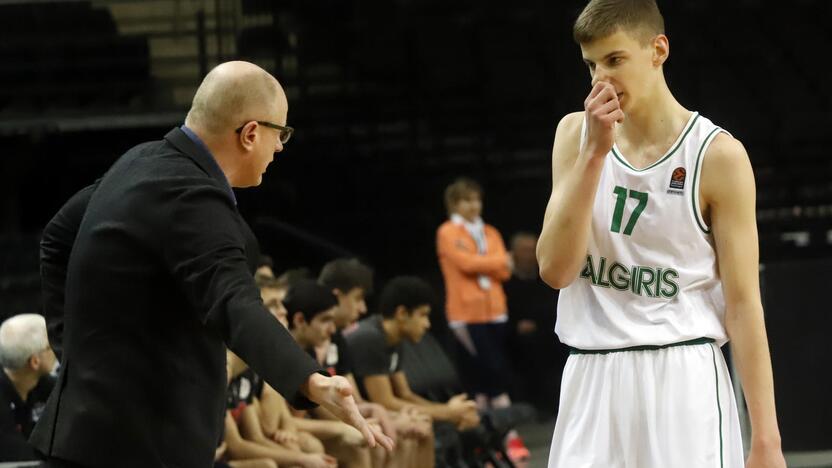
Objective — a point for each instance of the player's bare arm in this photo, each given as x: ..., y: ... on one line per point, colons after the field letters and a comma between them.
x: 380, y: 390
x: 561, y: 251
x: 728, y: 195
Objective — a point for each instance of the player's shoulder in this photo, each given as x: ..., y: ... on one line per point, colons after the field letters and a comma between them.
x: 725, y: 153
x: 567, y: 139
x: 368, y: 336
x: 570, y: 124
x: 726, y: 170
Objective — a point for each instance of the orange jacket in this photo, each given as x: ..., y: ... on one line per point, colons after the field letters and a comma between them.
x: 466, y: 301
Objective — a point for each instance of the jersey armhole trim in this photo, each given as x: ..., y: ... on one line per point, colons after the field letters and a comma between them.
x: 697, y: 214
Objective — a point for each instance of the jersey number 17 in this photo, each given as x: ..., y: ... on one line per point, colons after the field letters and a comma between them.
x: 621, y: 194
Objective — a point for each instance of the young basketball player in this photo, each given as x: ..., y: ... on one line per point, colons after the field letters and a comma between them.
x: 650, y: 232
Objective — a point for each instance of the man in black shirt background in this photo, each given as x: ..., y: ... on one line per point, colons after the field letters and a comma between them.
x: 405, y: 306
x: 538, y: 356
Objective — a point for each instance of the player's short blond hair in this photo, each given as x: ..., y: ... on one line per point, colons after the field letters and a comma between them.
x: 600, y: 18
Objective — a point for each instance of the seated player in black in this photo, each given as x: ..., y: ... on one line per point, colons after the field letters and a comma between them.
x: 351, y: 281
x: 404, y: 308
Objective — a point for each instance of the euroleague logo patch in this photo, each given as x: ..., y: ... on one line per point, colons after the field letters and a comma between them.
x: 677, y: 179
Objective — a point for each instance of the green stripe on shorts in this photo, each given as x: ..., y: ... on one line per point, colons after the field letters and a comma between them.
x: 719, y: 409
x: 695, y: 341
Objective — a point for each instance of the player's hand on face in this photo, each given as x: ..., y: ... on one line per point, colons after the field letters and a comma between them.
x: 602, y: 112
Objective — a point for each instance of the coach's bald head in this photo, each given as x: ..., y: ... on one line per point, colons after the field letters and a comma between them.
x: 233, y: 95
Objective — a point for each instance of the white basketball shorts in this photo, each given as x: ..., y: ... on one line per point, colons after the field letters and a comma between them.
x: 665, y: 407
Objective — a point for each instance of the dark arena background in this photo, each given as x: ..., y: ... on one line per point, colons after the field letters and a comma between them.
x: 391, y: 101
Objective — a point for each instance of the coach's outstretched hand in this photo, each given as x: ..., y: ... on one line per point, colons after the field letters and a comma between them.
x: 335, y: 395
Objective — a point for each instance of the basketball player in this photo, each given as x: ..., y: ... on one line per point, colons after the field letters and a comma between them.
x: 650, y: 232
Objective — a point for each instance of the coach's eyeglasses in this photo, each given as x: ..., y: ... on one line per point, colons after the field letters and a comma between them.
x: 285, y: 132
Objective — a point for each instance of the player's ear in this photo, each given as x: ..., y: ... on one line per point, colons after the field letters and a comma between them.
x: 401, y: 313
x: 661, y: 50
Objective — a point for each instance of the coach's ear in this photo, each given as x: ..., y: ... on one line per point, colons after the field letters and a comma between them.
x: 661, y: 50
x: 248, y: 136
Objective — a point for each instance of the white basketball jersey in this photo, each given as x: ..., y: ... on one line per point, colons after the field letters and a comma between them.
x: 651, y: 273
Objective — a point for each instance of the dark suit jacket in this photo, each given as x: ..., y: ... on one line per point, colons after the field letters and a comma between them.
x: 157, y: 284
x: 55, y: 246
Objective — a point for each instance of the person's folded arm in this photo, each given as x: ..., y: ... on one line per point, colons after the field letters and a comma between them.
x: 450, y: 247
x: 499, y: 248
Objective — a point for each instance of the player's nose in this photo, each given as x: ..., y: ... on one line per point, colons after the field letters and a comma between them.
x: 600, y: 74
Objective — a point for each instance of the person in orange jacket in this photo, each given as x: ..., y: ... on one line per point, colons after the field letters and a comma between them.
x: 474, y: 263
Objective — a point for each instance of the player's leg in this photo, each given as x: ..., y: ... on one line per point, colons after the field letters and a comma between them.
x: 585, y: 434
x: 693, y: 420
